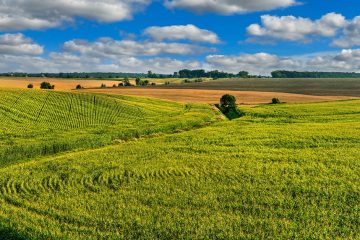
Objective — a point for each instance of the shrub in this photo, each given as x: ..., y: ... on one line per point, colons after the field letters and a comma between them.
x: 114, y: 86
x: 30, y: 85
x: 120, y: 85
x: 275, y: 101
x: 46, y: 85
x: 103, y: 85
x: 79, y: 87
x: 127, y: 82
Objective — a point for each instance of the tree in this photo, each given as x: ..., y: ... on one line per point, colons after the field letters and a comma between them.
x: 138, y: 81
x: 30, y: 85
x: 79, y: 87
x: 127, y: 82
x: 46, y: 85
x: 228, y: 102
x: 243, y: 74
x: 229, y: 108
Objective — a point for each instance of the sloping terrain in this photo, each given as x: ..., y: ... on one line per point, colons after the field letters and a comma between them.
x: 36, y: 123
x: 280, y: 172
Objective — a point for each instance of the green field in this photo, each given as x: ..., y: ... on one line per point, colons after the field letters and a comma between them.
x: 37, y: 123
x: 319, y: 86
x: 280, y: 172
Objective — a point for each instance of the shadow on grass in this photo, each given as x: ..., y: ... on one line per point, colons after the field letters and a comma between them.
x: 9, y: 234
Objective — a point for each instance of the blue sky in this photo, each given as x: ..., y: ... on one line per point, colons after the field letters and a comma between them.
x: 164, y: 36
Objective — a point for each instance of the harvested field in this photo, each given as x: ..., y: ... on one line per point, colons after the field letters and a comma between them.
x: 318, y: 86
x: 60, y: 84
x: 213, y: 96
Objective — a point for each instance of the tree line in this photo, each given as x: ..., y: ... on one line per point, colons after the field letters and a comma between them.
x: 185, y: 73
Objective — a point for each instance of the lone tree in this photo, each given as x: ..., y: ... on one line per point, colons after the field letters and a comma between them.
x: 227, y: 103
x: 30, y: 85
x: 46, y: 85
x: 229, y: 108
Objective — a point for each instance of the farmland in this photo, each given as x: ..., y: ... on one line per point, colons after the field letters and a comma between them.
x: 319, y: 87
x: 178, y: 171
x: 60, y: 84
x: 213, y: 96
x: 36, y: 123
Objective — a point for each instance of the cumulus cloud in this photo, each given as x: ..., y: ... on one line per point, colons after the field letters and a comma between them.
x: 259, y: 63
x: 59, y: 62
x: 351, y: 34
x: 228, y: 7
x: 107, y: 47
x: 182, y: 32
x: 347, y: 60
x: 40, y: 14
x: 18, y: 44
x: 296, y: 28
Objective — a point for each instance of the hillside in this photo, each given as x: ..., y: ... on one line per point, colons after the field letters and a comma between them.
x: 37, y: 123
x: 280, y: 172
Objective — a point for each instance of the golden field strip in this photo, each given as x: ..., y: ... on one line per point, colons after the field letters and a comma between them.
x: 213, y: 96
x: 60, y: 84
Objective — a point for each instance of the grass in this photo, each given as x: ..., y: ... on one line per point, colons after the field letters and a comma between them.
x: 280, y: 172
x: 37, y: 123
x: 319, y: 86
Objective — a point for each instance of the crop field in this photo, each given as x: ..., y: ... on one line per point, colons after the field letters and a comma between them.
x: 319, y: 86
x: 213, y: 96
x: 288, y: 171
x: 60, y: 84
x: 36, y: 123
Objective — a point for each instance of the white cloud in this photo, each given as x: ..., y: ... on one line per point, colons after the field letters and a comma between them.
x: 182, y: 32
x: 296, y: 28
x: 109, y: 48
x: 59, y: 62
x: 40, y: 14
x: 347, y: 60
x: 259, y: 63
x: 18, y: 44
x: 228, y: 7
x: 351, y: 34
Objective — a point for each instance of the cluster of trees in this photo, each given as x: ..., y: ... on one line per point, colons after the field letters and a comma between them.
x: 295, y: 74
x: 140, y: 82
x: 43, y: 85
x: 201, y: 73
x: 82, y: 75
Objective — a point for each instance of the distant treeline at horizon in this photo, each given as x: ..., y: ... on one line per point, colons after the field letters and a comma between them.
x: 186, y: 73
